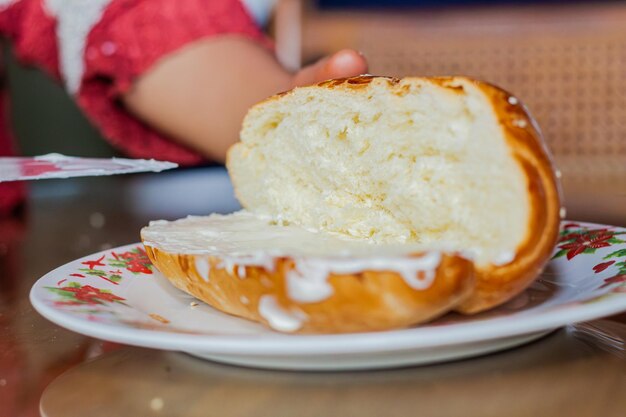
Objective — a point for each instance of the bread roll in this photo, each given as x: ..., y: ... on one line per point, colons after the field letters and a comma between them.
x: 449, y: 163
x: 295, y: 280
x: 378, y: 174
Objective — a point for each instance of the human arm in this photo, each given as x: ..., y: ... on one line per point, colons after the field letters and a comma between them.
x: 200, y: 95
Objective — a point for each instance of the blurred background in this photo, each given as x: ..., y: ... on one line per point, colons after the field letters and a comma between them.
x: 565, y: 59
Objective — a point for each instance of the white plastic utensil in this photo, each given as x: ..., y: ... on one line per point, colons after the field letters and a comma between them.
x: 61, y: 166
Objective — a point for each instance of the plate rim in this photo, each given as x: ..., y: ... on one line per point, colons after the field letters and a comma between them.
x: 302, y: 344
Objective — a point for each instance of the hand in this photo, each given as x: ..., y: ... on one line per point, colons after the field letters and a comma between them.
x: 199, y: 95
x: 345, y: 63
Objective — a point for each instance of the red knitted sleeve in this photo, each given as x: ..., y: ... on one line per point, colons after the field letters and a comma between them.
x: 130, y: 37
x: 99, y: 47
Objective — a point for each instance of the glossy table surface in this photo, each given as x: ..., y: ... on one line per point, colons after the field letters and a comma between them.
x: 577, y: 371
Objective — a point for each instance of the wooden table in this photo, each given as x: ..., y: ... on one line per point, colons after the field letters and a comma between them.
x: 576, y: 371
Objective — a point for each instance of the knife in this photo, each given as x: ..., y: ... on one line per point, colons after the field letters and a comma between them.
x: 60, y: 166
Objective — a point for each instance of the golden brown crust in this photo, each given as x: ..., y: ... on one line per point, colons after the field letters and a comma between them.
x: 367, y: 301
x: 497, y: 284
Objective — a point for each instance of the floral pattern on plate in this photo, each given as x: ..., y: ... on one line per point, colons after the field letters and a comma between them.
x: 110, y: 267
x: 117, y: 295
x: 580, y: 239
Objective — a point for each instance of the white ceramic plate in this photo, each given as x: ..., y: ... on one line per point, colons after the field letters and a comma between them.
x: 117, y: 295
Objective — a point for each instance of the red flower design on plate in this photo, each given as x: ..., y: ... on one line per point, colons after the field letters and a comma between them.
x: 614, y: 280
x: 135, y: 260
x: 93, y: 264
x: 593, y: 240
x: 76, y: 294
x: 92, y: 295
x: 602, y: 266
x: 578, y: 233
x: 67, y: 303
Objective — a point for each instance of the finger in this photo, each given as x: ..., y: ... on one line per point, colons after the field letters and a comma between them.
x: 345, y: 63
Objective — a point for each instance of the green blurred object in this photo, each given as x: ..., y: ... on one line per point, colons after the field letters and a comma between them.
x: 45, y: 118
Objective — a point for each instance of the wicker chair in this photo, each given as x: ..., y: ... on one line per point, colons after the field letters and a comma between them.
x: 567, y: 63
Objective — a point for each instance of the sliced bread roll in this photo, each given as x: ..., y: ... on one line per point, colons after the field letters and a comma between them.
x: 449, y: 163
x: 295, y: 280
x: 417, y: 169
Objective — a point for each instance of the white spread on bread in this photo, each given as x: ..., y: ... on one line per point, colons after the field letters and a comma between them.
x: 277, y: 317
x: 504, y: 258
x: 241, y: 271
x: 246, y: 239
x: 202, y: 267
x: 308, y: 281
x: 242, y: 239
x: 229, y: 263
